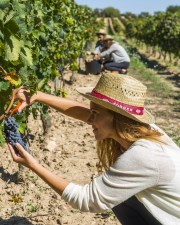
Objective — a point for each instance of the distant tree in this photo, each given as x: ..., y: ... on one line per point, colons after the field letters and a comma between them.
x: 129, y: 15
x: 173, y: 9
x: 98, y: 12
x: 111, y: 12
x: 143, y: 14
x: 87, y: 7
x: 157, y: 13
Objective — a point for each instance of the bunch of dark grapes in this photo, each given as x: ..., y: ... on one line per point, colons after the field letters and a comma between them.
x: 12, y: 134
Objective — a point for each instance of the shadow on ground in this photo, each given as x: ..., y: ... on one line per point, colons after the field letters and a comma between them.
x: 175, y: 79
x: 152, y: 64
x: 15, y: 220
x: 155, y: 65
x: 7, y: 177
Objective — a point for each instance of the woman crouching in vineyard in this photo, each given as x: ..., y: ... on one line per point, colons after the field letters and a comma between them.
x: 142, y: 164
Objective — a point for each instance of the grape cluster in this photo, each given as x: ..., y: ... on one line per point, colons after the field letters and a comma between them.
x: 12, y: 134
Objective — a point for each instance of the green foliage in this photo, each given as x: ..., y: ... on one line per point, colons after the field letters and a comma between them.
x: 107, y: 12
x: 36, y: 36
x: 173, y: 9
x: 118, y: 26
x: 161, y: 30
x: 98, y: 12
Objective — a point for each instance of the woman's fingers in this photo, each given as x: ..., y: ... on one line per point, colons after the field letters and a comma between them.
x: 24, y: 96
x: 11, y: 150
x: 20, y: 149
x: 22, y: 156
x: 22, y: 152
x: 20, y: 94
x: 23, y: 106
x: 13, y: 153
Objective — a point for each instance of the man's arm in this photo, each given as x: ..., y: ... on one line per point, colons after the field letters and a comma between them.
x: 106, y: 53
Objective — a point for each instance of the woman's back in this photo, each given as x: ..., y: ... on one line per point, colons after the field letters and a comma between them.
x: 163, y: 199
x: 148, y: 170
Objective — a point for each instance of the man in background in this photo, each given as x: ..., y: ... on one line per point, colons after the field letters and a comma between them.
x: 100, y: 43
x: 114, y: 56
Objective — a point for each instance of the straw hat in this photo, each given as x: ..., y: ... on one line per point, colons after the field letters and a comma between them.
x: 108, y: 37
x: 121, y: 94
x: 101, y: 31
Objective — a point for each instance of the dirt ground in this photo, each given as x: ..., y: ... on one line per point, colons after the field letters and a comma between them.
x: 68, y: 150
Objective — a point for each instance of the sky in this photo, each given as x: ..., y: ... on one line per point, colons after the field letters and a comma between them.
x: 134, y: 6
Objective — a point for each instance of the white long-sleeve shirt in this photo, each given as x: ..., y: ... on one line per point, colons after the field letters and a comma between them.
x: 148, y: 170
x: 116, y: 53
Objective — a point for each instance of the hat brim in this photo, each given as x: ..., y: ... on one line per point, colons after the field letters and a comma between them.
x: 107, y: 39
x: 101, y: 33
x: 145, y: 118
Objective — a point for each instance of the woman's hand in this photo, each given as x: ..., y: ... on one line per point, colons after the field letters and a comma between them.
x: 24, y: 96
x: 66, y: 106
x: 23, y: 158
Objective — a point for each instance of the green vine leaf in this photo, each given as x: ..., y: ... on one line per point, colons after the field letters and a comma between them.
x: 12, y: 49
x: 26, y: 56
x: 4, y: 3
x: 4, y: 85
x: 35, y: 38
x: 9, y: 16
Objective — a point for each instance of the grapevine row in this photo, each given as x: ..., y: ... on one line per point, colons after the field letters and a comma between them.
x: 161, y: 31
x: 35, y: 37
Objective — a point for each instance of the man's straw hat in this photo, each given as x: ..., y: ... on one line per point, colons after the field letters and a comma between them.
x: 101, y: 31
x: 108, y: 37
x: 121, y: 94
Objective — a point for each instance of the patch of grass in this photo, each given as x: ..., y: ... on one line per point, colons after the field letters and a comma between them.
x: 174, y: 134
x: 176, y: 139
x: 32, y: 207
x: 153, y: 81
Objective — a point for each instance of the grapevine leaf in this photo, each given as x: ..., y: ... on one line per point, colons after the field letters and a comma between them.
x: 26, y: 56
x: 1, y: 35
x: 4, y: 3
x: 13, y: 26
x: 9, y: 16
x: 4, y: 86
x: 12, y: 49
x: 22, y: 127
x: 42, y: 83
x: 13, y: 78
x: 2, y: 141
x: 2, y: 15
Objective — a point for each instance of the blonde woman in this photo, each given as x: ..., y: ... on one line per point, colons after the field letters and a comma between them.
x: 141, y: 182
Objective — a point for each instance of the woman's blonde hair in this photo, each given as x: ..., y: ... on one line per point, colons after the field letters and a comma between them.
x: 109, y: 150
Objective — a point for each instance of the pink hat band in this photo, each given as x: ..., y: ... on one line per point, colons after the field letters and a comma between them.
x: 136, y: 110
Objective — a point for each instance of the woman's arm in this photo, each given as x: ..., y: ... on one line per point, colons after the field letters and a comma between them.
x: 68, y: 107
x: 132, y: 173
x: 24, y: 158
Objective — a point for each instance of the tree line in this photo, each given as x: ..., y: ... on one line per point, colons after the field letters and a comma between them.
x: 160, y: 31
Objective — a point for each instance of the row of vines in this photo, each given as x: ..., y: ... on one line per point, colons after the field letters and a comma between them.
x: 35, y: 37
x: 160, y: 31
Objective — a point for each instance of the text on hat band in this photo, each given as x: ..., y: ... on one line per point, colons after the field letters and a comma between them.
x: 128, y: 108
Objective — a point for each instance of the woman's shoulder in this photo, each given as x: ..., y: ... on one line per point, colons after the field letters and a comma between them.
x: 149, y: 150
x: 145, y: 155
x: 138, y: 157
